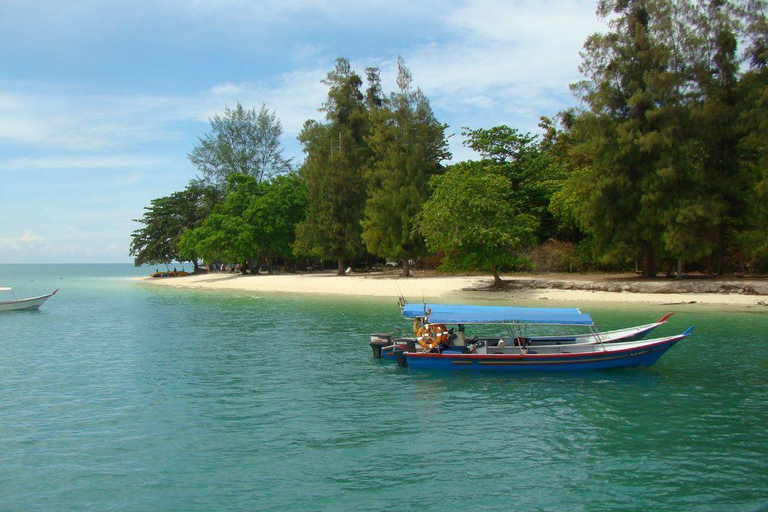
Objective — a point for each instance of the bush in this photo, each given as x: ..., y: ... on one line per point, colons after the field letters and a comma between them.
x: 555, y: 256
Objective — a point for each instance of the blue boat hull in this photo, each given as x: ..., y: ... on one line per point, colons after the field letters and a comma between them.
x: 645, y: 355
x: 388, y: 353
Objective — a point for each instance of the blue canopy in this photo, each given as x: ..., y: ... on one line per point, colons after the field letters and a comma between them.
x: 463, y: 314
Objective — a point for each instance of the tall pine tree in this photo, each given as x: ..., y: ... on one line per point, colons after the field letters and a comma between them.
x: 336, y: 152
x: 624, y: 133
x: 408, y: 145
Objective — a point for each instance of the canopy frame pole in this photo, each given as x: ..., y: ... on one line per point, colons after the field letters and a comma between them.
x: 597, y: 335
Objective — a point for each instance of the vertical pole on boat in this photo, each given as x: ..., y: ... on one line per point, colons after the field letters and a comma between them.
x: 401, y: 302
x: 597, y: 335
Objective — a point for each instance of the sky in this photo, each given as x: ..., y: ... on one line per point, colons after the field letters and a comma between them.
x: 101, y: 101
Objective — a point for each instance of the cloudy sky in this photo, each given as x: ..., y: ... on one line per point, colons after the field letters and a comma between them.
x: 102, y: 100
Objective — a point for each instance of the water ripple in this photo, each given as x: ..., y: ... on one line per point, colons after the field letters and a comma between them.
x: 122, y: 397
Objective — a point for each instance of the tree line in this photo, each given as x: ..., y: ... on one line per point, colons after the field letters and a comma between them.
x: 662, y: 166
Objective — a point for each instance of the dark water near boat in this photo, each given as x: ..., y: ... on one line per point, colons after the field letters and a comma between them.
x: 122, y: 396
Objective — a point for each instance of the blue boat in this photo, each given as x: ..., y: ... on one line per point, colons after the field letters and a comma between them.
x: 436, y: 347
x: 520, y: 320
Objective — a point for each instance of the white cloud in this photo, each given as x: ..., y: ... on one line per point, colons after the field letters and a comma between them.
x: 480, y: 62
x: 31, y: 238
x: 21, y: 243
x: 483, y: 59
x: 55, y: 119
x: 79, y: 162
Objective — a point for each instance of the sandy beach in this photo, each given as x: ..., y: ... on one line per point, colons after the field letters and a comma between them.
x: 738, y: 293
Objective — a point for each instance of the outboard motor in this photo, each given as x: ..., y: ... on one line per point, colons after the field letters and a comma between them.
x: 400, y: 356
x: 378, y: 342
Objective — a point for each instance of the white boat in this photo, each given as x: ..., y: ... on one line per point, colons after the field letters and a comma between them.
x: 27, y: 303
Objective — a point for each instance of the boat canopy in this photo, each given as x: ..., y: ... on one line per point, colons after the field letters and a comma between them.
x: 464, y: 314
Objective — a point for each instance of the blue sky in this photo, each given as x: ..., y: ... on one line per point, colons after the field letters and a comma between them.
x: 102, y: 100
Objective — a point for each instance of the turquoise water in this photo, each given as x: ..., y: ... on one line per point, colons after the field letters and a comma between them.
x: 122, y: 396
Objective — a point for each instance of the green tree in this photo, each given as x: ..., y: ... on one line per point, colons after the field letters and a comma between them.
x: 534, y: 173
x: 166, y: 220
x: 408, y: 145
x: 717, y: 189
x: 241, y: 142
x: 254, y: 223
x: 627, y: 133
x: 475, y: 220
x: 753, y: 124
x: 225, y: 235
x: 336, y: 152
x: 274, y: 213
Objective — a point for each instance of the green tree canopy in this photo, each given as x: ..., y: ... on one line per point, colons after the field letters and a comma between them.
x: 225, y: 236
x: 534, y: 173
x: 474, y: 219
x: 166, y: 220
x: 408, y: 145
x: 274, y: 212
x: 255, y: 221
x: 241, y: 142
x: 336, y: 152
x: 627, y: 134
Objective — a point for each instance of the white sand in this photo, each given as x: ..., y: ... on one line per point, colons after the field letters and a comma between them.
x: 454, y: 288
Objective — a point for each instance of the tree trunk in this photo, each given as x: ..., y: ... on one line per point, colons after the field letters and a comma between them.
x: 341, y: 267
x: 497, y: 282
x: 680, y: 268
x: 649, y: 262
x: 406, y: 272
x: 197, y: 267
x: 720, y: 249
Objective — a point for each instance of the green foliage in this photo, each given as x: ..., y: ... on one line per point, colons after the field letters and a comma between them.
x: 753, y: 123
x: 255, y: 221
x: 475, y: 220
x: 664, y: 160
x: 225, y: 235
x: 332, y: 171
x: 407, y: 144
x: 165, y: 221
x: 630, y: 136
x: 531, y: 167
x: 241, y: 142
x: 274, y: 213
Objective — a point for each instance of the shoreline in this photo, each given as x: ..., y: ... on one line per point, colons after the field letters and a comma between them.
x: 616, y: 289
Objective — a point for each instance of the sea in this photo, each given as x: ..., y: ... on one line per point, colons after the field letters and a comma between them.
x: 121, y: 396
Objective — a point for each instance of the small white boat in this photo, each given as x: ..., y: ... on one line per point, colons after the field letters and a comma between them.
x: 28, y: 303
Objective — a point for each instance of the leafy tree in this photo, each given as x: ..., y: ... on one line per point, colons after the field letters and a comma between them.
x: 274, y: 213
x: 408, y: 144
x: 628, y: 134
x: 225, y: 235
x: 474, y: 218
x: 753, y: 123
x: 717, y: 180
x: 241, y: 141
x: 332, y: 171
x: 255, y: 221
x: 534, y: 173
x: 166, y: 220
